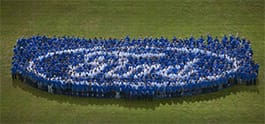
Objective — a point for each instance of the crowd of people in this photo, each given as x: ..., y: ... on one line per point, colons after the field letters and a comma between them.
x: 133, y: 68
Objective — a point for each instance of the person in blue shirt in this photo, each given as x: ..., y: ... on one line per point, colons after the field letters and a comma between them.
x: 231, y: 37
x: 102, y: 92
x: 57, y: 86
x: 133, y: 92
x: 209, y: 39
x: 152, y: 91
x: 96, y: 90
x: 139, y: 91
x: 188, y: 89
x: 14, y: 69
x: 81, y: 89
x: 75, y: 89
x: 106, y: 89
x: 91, y: 89
x: 63, y: 87
x: 219, y: 83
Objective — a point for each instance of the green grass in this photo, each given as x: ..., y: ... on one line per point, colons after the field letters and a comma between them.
x: 20, y: 103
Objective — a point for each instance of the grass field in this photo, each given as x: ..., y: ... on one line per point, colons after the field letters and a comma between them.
x: 20, y: 103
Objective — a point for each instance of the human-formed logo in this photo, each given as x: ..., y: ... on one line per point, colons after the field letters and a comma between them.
x: 134, y: 67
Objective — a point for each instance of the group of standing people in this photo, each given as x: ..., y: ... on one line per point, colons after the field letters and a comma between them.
x: 145, y: 67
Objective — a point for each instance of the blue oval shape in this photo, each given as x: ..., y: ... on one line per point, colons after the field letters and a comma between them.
x: 144, y: 67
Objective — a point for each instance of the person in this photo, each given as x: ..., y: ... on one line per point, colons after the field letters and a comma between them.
x: 209, y: 39
x: 13, y: 73
x: 50, y: 88
x: 57, y: 87
x: 96, y: 86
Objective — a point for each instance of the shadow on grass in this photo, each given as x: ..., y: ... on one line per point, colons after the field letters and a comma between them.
x: 134, y: 103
